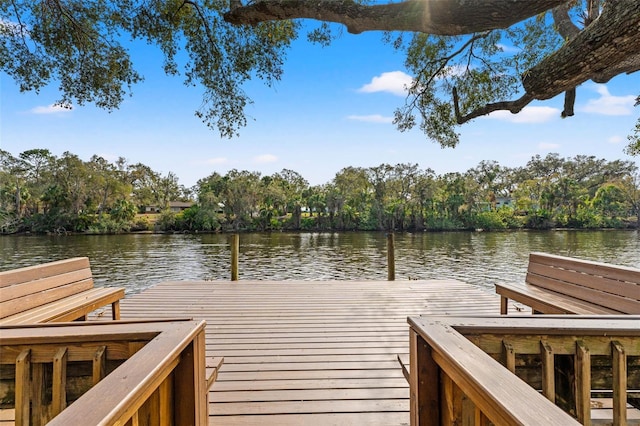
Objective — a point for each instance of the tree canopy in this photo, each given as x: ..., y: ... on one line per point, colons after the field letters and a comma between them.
x: 467, y: 58
x: 40, y: 192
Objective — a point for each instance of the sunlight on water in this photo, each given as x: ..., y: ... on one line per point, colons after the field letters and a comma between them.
x: 483, y: 259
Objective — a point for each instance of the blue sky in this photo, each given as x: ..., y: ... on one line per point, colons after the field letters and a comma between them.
x: 332, y: 109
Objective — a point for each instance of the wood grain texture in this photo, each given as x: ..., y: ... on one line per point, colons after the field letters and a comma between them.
x: 54, y: 291
x: 307, y: 352
x: 558, y: 284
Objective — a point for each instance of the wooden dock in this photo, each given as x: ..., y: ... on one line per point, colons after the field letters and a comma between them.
x: 309, y: 352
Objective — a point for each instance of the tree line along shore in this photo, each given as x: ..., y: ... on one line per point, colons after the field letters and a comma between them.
x: 43, y: 193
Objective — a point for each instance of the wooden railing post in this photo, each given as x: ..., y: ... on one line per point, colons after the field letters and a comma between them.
x: 235, y: 253
x: 391, y: 257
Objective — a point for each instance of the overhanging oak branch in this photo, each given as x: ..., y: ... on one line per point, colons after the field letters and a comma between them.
x: 611, y: 40
x: 512, y: 106
x: 443, y: 17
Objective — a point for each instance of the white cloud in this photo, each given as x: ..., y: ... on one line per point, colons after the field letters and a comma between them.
x: 109, y: 157
x: 508, y: 49
x: 373, y: 118
x: 548, y: 146
x: 616, y: 140
x: 607, y: 104
x: 395, y: 82
x: 532, y: 114
x: 11, y: 26
x: 50, y: 109
x: 265, y: 158
x: 216, y: 160
x: 456, y: 70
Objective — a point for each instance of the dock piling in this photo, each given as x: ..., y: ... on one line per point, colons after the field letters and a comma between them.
x: 235, y: 253
x: 391, y: 257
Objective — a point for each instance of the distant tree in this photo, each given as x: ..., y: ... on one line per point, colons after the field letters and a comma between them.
x: 634, y: 139
x: 14, y: 172
x: 468, y: 58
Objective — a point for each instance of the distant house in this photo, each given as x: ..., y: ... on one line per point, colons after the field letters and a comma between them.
x: 504, y: 201
x: 174, y: 206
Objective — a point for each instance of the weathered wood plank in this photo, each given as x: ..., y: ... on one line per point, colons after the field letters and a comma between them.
x: 36, y: 272
x: 331, y: 344
x: 328, y: 406
x: 619, y: 383
x: 313, y: 419
x: 315, y: 394
x: 23, y: 385
x: 54, y: 291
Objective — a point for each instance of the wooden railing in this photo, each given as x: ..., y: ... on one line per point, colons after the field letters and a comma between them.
x: 107, y: 373
x: 519, y: 370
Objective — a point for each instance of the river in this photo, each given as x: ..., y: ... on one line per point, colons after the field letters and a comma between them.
x: 138, y: 261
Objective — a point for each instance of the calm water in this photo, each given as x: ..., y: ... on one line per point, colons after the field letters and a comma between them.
x: 483, y: 259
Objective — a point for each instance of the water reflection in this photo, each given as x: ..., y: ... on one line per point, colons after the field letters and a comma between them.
x: 482, y: 259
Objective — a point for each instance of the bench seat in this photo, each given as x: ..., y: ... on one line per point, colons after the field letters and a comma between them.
x: 70, y: 308
x: 547, y: 301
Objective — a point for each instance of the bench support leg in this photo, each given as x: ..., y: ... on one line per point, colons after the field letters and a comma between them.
x: 504, y: 305
x: 115, y: 310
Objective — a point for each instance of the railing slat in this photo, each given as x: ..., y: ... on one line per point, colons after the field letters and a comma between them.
x: 23, y: 384
x: 99, y: 364
x: 583, y: 383
x: 451, y: 402
x: 509, y: 356
x: 39, y: 410
x: 619, y: 384
x: 548, y: 371
x: 134, y: 420
x: 468, y: 411
x: 59, y: 392
x: 424, y: 394
x: 165, y: 391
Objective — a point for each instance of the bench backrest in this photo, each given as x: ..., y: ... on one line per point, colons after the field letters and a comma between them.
x: 611, y: 286
x: 26, y: 288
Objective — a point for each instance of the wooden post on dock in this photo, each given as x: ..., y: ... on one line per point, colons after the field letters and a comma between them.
x: 391, y: 258
x: 235, y: 253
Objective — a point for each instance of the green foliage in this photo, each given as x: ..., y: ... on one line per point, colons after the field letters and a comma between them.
x: 106, y: 224
x: 75, y: 43
x: 78, y: 44
x: 588, y: 218
x: 81, y: 46
x: 539, y: 219
x: 197, y: 218
x: 123, y: 211
x: 141, y: 224
x: 492, y: 220
x: 634, y: 139
x: 488, y: 221
x: 42, y: 193
x: 166, y: 222
x: 478, y: 66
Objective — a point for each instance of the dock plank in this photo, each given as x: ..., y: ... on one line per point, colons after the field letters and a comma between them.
x: 308, y: 352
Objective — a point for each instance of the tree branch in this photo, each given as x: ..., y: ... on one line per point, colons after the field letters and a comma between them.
x: 569, y: 103
x: 568, y: 30
x: 628, y: 65
x: 443, y: 17
x: 611, y: 41
x: 512, y: 106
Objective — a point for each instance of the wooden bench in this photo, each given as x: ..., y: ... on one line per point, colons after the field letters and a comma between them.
x: 565, y: 285
x: 55, y: 291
